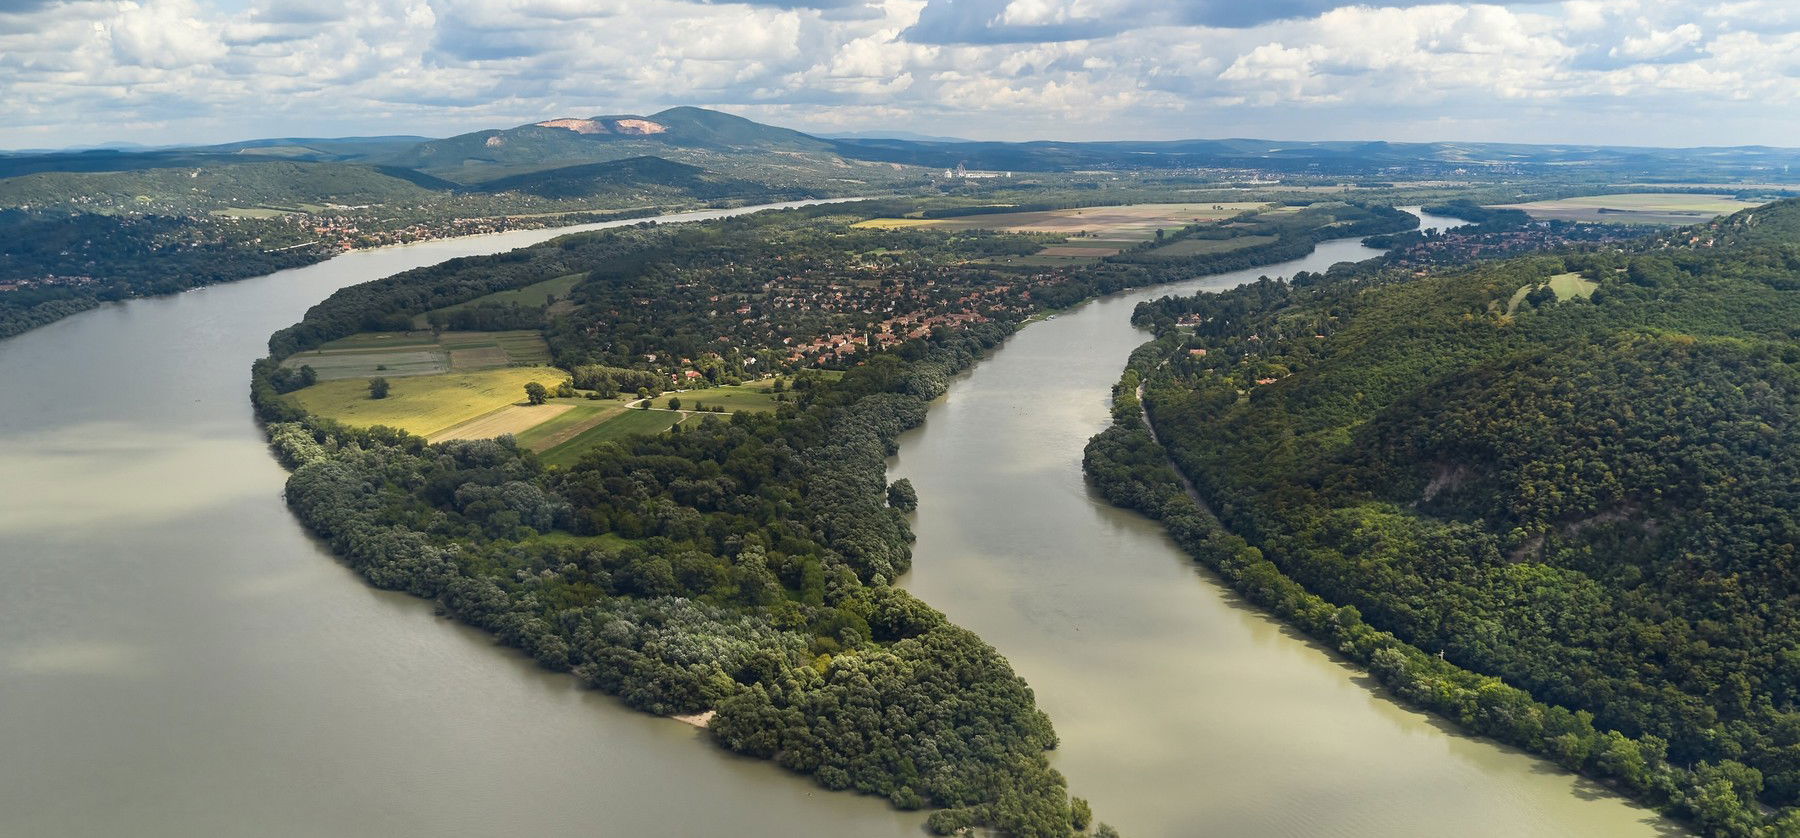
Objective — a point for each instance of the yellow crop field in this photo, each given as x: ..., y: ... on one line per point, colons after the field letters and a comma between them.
x: 1126, y: 223
x: 1635, y: 208
x: 511, y: 419
x: 424, y: 404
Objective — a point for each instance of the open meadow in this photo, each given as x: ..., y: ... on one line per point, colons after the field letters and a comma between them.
x: 424, y: 404
x: 1197, y: 246
x: 511, y: 419
x: 1093, y: 232
x: 553, y: 291
x: 735, y: 397
x: 1671, y: 208
x: 1568, y: 286
x: 577, y: 418
x: 619, y: 426
x: 402, y: 354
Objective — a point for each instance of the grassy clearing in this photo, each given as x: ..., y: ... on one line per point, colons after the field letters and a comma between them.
x: 580, y: 416
x: 619, y: 426
x: 416, y: 353
x: 746, y: 396
x: 511, y: 419
x: 1571, y: 285
x: 1094, y: 232
x: 1196, y: 247
x: 1635, y: 208
x: 380, y: 340
x: 1131, y: 223
x: 424, y: 404
x: 398, y: 362
x: 898, y: 223
x: 535, y: 294
x: 1567, y: 287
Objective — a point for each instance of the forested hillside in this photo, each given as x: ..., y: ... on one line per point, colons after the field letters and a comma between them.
x: 1571, y: 474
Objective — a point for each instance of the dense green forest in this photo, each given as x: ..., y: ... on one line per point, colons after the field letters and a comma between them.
x: 1552, y: 498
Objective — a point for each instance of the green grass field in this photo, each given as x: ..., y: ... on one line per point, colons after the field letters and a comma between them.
x: 1197, y: 247
x: 1128, y: 222
x: 415, y: 353
x: 618, y: 427
x: 1094, y: 232
x: 746, y: 396
x: 380, y: 340
x: 1567, y: 287
x: 535, y: 294
x: 424, y: 404
x: 1636, y: 208
x: 583, y: 415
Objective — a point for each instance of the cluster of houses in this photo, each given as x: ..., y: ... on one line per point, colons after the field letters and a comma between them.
x: 348, y: 232
x: 1455, y: 246
x: 48, y: 281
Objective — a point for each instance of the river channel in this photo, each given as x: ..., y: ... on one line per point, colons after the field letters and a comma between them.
x: 179, y: 658
x: 1182, y: 710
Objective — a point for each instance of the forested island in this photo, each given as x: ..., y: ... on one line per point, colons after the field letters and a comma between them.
x: 1551, y: 498
x: 737, y: 567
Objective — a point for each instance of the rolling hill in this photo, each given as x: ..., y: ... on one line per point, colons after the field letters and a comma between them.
x: 694, y: 136
x: 1569, y: 524
x: 646, y: 176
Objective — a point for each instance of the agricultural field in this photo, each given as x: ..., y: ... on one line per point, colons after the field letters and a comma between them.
x: 1567, y: 287
x: 405, y: 354
x: 1131, y: 223
x: 619, y: 426
x: 578, y: 416
x: 1197, y: 247
x: 746, y: 396
x: 1093, y: 232
x: 424, y: 404
x: 554, y: 290
x: 562, y: 440
x: 1668, y: 208
x: 511, y: 419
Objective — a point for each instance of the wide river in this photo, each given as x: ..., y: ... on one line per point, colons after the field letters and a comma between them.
x: 178, y: 658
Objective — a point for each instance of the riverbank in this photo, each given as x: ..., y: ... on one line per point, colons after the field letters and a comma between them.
x: 181, y: 658
x: 1182, y: 709
x: 260, y: 262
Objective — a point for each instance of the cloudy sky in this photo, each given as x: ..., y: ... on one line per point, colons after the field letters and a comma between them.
x: 1641, y: 72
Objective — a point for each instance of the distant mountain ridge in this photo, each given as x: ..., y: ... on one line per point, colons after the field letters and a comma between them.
x: 736, y: 147
x: 689, y: 135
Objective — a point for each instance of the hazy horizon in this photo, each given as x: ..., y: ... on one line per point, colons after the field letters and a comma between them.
x: 870, y: 132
